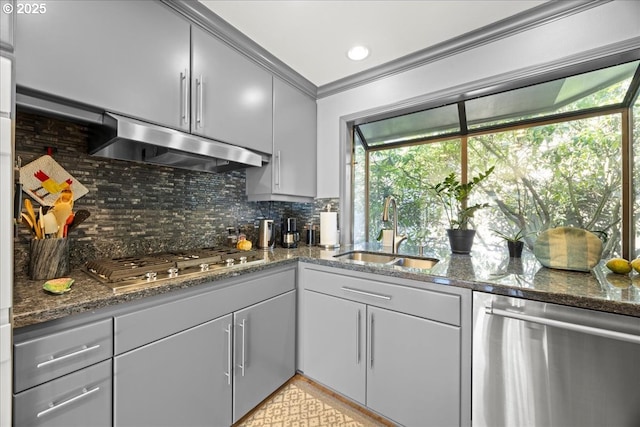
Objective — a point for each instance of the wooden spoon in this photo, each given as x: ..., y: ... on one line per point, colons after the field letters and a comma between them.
x: 32, y: 217
x: 66, y: 197
x: 26, y: 220
x: 61, y: 212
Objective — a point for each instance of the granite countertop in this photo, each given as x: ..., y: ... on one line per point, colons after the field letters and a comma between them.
x: 484, y: 270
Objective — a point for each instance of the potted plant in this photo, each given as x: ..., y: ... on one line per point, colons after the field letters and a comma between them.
x: 514, y: 241
x: 453, y: 195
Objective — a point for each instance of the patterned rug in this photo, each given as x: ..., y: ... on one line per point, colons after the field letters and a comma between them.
x: 302, y: 404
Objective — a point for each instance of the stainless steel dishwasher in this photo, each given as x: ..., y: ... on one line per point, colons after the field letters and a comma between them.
x: 547, y: 365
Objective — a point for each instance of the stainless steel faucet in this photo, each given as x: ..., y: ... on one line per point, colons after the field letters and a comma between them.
x: 395, y: 237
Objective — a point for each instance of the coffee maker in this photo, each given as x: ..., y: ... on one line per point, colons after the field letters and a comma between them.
x: 289, y: 233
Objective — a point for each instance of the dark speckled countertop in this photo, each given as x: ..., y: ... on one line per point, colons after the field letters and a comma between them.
x: 484, y: 270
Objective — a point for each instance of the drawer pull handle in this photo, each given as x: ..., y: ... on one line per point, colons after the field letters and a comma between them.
x: 52, y: 359
x: 53, y: 407
x: 369, y: 294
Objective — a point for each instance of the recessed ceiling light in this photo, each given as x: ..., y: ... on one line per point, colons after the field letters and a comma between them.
x: 358, y: 53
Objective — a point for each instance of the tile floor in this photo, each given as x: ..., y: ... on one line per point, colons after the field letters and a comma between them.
x: 301, y: 403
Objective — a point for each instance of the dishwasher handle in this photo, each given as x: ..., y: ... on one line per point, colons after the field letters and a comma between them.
x: 606, y: 333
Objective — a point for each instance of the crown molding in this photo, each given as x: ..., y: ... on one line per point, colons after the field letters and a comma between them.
x: 204, y: 17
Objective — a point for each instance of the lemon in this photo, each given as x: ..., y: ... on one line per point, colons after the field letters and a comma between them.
x: 244, y: 245
x: 619, y: 265
x: 636, y: 265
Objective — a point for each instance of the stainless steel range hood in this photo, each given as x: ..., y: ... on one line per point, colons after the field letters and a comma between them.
x: 129, y: 139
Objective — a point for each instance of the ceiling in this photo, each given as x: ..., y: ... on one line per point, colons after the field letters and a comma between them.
x: 313, y: 37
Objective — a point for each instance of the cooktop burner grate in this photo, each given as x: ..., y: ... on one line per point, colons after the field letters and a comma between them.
x: 138, y: 271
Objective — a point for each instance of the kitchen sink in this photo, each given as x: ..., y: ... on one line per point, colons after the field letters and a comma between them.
x: 417, y: 262
x: 376, y: 258
x: 389, y: 259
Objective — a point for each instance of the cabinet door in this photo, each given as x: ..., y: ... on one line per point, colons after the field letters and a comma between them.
x: 232, y: 96
x: 181, y: 380
x: 334, y: 343
x: 292, y: 171
x: 264, y: 351
x: 78, y: 399
x: 413, y: 369
x: 122, y: 56
x: 6, y: 25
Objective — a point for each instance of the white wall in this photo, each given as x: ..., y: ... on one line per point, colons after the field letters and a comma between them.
x: 607, y: 24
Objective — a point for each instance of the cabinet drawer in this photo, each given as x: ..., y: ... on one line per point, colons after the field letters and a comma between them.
x: 441, y: 307
x: 145, y: 326
x: 77, y: 399
x: 42, y: 359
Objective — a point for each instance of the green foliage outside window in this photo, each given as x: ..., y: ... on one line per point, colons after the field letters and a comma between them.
x: 567, y: 173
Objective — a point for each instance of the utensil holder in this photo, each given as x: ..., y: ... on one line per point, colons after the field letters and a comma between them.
x: 49, y: 258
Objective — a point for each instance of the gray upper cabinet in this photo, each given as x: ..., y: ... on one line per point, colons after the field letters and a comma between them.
x: 6, y: 24
x: 231, y: 95
x: 291, y: 175
x: 129, y: 57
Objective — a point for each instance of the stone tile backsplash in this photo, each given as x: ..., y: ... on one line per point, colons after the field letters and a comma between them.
x: 138, y: 209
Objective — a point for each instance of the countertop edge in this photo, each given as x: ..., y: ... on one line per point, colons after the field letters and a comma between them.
x: 32, y: 305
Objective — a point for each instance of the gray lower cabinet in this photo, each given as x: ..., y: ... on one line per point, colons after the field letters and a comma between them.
x: 413, y: 369
x: 402, y: 351
x: 291, y: 174
x: 129, y: 57
x: 79, y: 399
x: 335, y: 343
x: 264, y: 351
x: 231, y: 95
x: 211, y: 374
x: 183, y: 379
x: 403, y: 367
x: 62, y: 377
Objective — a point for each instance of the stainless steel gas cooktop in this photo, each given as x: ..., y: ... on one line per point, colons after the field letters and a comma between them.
x: 128, y: 273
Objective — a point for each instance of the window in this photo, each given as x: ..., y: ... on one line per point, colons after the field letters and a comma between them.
x: 567, y: 173
x: 559, y: 148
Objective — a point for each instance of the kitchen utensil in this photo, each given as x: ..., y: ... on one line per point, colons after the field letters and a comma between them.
x: 79, y: 217
x: 61, y: 211
x: 65, y: 229
x: 28, y: 223
x: 66, y: 197
x: 32, y: 217
x: 50, y: 225
x: 266, y: 234
x: 41, y: 222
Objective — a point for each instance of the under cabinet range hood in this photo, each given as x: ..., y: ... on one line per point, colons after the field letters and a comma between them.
x: 125, y: 138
